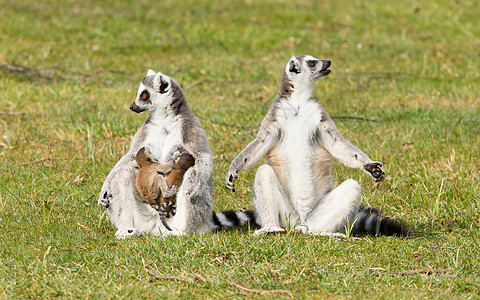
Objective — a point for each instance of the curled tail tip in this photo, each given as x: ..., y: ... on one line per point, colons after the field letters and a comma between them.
x: 390, y: 226
x: 164, y: 222
x: 371, y: 221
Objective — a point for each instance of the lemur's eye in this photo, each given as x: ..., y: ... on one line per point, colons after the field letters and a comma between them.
x: 145, y: 95
x: 312, y: 63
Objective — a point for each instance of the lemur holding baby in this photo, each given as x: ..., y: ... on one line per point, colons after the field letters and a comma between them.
x: 170, y: 127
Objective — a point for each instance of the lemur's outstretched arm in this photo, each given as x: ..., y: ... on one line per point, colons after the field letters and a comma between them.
x: 253, y: 153
x: 345, y: 152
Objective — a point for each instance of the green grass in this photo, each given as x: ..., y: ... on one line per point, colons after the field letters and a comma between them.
x: 412, y: 66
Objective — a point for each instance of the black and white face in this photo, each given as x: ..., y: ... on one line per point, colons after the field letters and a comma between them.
x: 306, y: 68
x: 153, y: 92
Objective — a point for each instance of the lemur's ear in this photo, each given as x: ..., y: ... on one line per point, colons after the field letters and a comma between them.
x: 147, y: 150
x: 140, y: 152
x: 161, y: 83
x: 151, y: 151
x: 293, y: 65
x: 150, y: 72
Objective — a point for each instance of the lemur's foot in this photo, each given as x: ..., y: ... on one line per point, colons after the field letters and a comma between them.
x: 174, y: 232
x: 375, y: 169
x: 125, y: 233
x: 104, y: 200
x: 301, y: 228
x: 332, y: 234
x: 270, y: 230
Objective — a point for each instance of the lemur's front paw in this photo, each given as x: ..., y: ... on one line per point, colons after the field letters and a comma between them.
x: 231, y: 176
x: 170, y: 192
x: 375, y: 169
x: 104, y: 200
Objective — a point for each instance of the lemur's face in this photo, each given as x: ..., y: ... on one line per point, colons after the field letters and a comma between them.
x: 306, y: 68
x: 154, y: 92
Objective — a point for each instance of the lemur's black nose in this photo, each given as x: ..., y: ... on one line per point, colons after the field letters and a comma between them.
x: 326, y: 64
x: 135, y: 108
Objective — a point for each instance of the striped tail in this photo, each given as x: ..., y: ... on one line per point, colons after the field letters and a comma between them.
x: 230, y: 219
x: 370, y: 221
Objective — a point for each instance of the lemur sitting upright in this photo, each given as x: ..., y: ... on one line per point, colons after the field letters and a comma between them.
x: 170, y: 126
x: 295, y: 185
x: 158, y: 183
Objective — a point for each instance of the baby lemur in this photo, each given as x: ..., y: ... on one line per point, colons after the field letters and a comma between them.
x: 158, y: 183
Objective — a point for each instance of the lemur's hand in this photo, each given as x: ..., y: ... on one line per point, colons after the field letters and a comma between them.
x: 375, y: 170
x: 231, y: 175
x: 104, y: 199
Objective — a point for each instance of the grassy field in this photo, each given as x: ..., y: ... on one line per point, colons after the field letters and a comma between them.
x: 70, y: 69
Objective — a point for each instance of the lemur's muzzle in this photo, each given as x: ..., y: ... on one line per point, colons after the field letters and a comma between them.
x: 325, y: 65
x: 135, y: 108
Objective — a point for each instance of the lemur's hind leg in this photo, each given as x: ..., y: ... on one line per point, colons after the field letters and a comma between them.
x: 126, y: 210
x: 118, y: 192
x: 331, y: 213
x: 192, y: 214
x: 272, y: 207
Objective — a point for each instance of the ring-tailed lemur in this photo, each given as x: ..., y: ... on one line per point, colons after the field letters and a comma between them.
x: 171, y: 126
x: 295, y: 186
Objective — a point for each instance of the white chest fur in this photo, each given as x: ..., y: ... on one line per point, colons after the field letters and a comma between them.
x: 298, y: 121
x: 163, y: 135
